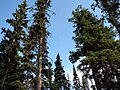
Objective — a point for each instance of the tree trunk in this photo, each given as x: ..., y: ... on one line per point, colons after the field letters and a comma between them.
x: 96, y: 78
x: 39, y: 83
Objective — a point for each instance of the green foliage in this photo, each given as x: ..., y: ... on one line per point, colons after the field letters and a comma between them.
x: 22, y: 48
x: 59, y: 74
x: 12, y: 75
x: 97, y: 44
x: 24, y: 52
x: 36, y: 44
x: 110, y: 10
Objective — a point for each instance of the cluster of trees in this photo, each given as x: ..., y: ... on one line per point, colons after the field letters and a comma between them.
x: 24, y: 61
x: 98, y: 44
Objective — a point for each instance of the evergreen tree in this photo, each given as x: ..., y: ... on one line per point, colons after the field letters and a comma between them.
x: 12, y: 75
x: 110, y: 10
x: 30, y: 50
x: 76, y: 81
x: 97, y: 43
x: 59, y: 74
x: 37, y: 42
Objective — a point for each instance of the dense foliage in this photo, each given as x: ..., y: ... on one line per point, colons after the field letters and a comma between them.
x: 11, y: 76
x: 60, y: 79
x: 37, y: 40
x: 24, y: 61
x: 97, y: 44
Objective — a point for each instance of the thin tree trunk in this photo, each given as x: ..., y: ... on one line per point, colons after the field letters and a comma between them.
x: 96, y: 79
x: 39, y: 84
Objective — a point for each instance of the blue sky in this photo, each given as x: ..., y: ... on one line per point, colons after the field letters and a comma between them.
x: 61, y: 30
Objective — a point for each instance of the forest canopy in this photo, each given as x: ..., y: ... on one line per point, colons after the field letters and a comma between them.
x: 25, y: 63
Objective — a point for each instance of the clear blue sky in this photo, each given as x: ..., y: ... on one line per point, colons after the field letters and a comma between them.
x: 62, y: 31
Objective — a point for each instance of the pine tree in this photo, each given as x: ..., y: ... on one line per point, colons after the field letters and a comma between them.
x: 59, y: 74
x: 12, y: 75
x: 28, y: 50
x: 110, y: 10
x: 76, y: 81
x: 37, y: 41
x: 97, y: 43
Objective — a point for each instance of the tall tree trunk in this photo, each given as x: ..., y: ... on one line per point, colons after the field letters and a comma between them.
x: 39, y: 86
